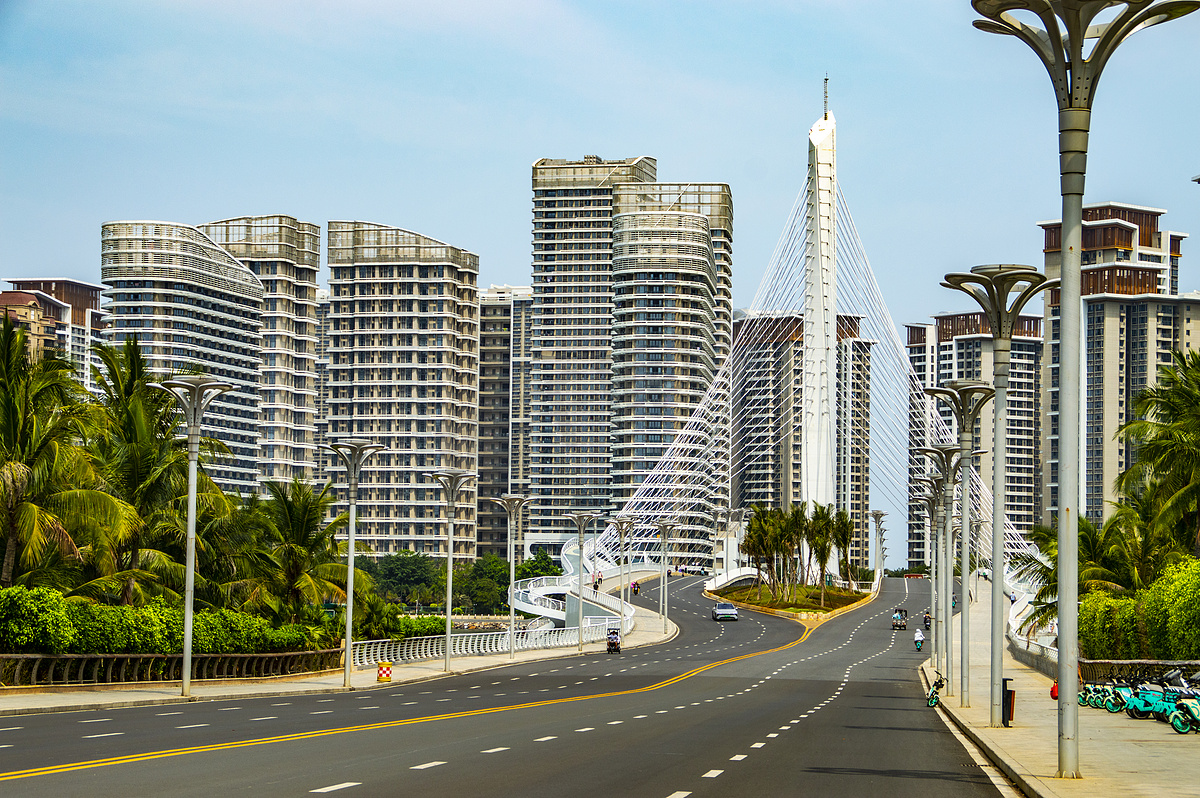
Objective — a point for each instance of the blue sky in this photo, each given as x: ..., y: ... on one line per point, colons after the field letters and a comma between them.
x: 428, y: 116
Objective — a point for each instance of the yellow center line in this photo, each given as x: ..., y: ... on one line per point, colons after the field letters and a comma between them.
x: 172, y: 752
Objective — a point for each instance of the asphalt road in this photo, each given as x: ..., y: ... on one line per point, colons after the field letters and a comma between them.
x: 757, y: 707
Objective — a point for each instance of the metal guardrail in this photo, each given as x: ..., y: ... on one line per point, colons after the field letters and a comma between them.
x: 480, y: 644
x: 69, y: 669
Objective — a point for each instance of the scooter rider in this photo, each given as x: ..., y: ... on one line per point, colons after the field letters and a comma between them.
x: 918, y: 639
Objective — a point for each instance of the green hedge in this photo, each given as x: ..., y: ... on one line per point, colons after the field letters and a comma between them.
x: 1161, y: 622
x: 42, y: 621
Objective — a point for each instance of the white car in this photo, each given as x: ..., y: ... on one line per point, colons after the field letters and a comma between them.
x: 723, y: 610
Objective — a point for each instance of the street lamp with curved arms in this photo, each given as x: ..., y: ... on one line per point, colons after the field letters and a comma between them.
x: 193, y: 392
x: 624, y: 527
x: 353, y: 453
x: 945, y: 457
x: 1002, y: 291
x: 452, y: 481
x: 581, y: 524
x: 878, y: 515
x: 931, y: 499
x: 513, y: 504
x: 966, y: 399
x: 1067, y: 25
x: 664, y: 530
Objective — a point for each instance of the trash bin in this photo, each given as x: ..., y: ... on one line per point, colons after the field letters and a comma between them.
x: 385, y: 672
x: 1007, y: 701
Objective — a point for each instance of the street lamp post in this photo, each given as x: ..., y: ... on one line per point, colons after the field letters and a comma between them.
x: 193, y: 392
x: 452, y: 481
x: 513, y: 504
x: 878, y: 515
x: 353, y: 452
x: 581, y: 523
x: 943, y: 455
x: 737, y: 517
x: 664, y: 528
x: 624, y: 527
x: 966, y: 399
x: 1074, y: 75
x: 932, y: 499
x: 1001, y: 290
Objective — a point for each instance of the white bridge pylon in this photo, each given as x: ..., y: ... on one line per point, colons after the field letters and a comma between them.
x: 783, y: 421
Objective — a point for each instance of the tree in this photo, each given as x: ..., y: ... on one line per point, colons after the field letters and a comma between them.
x: 843, y: 533
x: 45, y: 479
x: 539, y: 565
x: 304, y: 564
x: 1166, y: 432
x: 142, y: 460
x: 820, y: 539
x: 397, y: 574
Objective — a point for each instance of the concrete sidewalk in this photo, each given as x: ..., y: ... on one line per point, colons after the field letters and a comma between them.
x: 1118, y: 756
x: 647, y: 631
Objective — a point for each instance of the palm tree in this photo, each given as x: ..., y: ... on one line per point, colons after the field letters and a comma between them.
x: 820, y: 539
x: 843, y: 533
x: 44, y: 478
x: 756, y: 546
x: 1166, y: 431
x: 795, y: 533
x: 143, y: 461
x: 303, y: 562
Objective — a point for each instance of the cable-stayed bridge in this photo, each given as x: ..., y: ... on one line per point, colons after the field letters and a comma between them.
x: 815, y: 403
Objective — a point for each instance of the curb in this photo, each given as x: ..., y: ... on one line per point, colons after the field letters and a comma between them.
x: 1029, y: 784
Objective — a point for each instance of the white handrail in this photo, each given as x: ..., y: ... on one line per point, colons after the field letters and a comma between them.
x: 480, y: 644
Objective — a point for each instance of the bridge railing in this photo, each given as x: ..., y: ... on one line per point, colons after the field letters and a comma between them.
x: 479, y: 644
x: 67, y: 669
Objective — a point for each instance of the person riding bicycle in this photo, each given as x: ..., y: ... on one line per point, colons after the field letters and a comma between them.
x: 918, y: 639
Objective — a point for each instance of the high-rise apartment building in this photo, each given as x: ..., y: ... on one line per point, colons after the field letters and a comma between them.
x: 1133, y: 318
x: 571, y: 421
x: 672, y: 269
x: 193, y: 307
x: 502, y: 309
x: 958, y: 346
x: 80, y: 321
x: 285, y: 254
x: 403, y: 371
x: 767, y: 398
x: 323, y: 456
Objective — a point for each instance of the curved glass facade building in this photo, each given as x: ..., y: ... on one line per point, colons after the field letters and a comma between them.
x: 193, y: 307
x: 285, y: 254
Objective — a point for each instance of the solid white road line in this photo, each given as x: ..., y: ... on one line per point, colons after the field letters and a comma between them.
x: 342, y: 786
